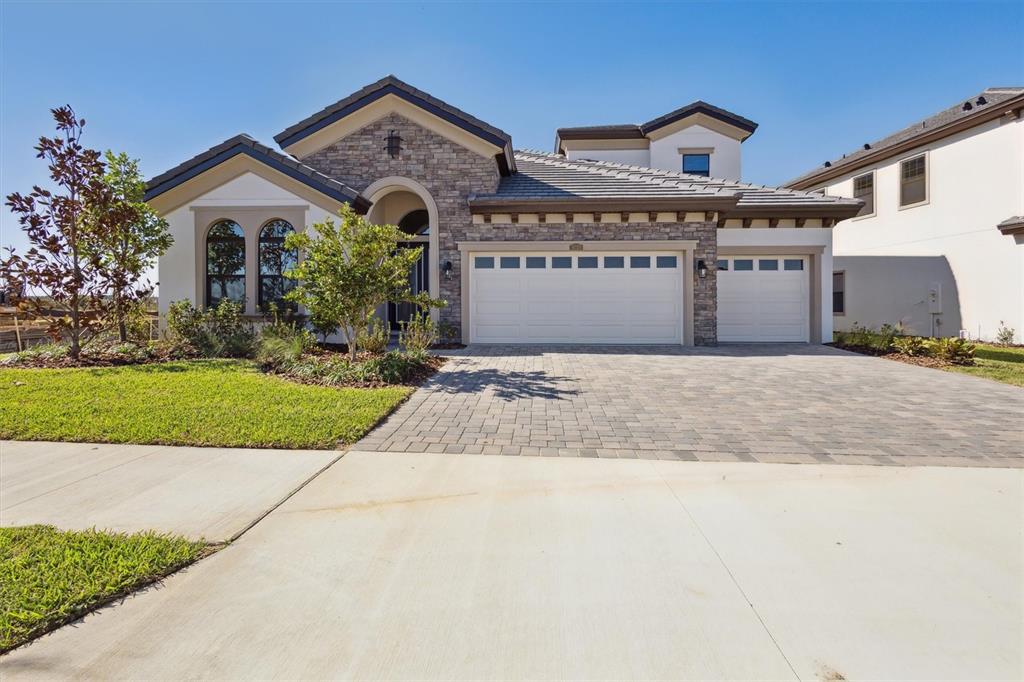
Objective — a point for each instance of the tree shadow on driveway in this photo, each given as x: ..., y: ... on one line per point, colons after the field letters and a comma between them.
x: 505, y: 384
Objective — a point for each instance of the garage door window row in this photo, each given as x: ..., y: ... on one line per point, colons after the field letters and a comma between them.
x: 763, y: 264
x: 579, y: 262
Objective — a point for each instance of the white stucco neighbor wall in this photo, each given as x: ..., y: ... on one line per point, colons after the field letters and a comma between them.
x: 629, y: 157
x: 893, y: 259
x: 781, y: 237
x: 725, y: 159
x: 176, y: 269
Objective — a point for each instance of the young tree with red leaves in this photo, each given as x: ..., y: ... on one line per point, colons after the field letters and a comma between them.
x: 64, y: 227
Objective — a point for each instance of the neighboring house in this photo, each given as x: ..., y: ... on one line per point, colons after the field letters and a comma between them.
x: 698, y: 139
x: 939, y: 244
x: 526, y: 247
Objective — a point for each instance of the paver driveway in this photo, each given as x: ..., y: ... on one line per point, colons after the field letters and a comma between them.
x: 769, y: 403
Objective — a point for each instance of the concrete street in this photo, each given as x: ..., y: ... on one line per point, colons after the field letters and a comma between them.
x: 435, y: 566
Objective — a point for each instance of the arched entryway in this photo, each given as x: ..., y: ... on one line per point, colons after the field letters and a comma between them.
x: 407, y: 204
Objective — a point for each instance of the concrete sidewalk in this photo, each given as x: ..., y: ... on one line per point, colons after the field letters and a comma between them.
x: 211, y: 493
x: 402, y: 566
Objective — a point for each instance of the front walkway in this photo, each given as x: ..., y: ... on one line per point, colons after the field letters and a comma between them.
x: 210, y: 493
x: 767, y: 403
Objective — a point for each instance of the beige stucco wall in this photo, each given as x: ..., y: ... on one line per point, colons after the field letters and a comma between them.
x: 975, y: 180
x: 250, y: 201
x: 725, y: 159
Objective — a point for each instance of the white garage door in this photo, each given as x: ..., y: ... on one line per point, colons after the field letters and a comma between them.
x: 570, y: 298
x: 763, y: 298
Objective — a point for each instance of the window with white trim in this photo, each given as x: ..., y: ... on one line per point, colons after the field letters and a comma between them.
x: 864, y: 189
x: 839, y: 293
x: 913, y: 181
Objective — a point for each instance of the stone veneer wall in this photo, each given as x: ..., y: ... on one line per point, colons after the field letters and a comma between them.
x: 451, y: 173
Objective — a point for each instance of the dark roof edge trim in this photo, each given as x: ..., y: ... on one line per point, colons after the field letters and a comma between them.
x: 699, y: 108
x: 952, y: 128
x: 287, y: 138
x: 360, y: 203
x: 836, y: 210
x: 601, y: 134
x: 1012, y: 226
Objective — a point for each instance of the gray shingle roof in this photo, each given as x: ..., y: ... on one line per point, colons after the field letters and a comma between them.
x: 978, y: 104
x: 245, y: 144
x: 392, y: 85
x: 544, y: 177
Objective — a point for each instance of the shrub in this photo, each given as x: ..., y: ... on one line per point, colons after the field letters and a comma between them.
x: 40, y: 354
x: 338, y: 370
x: 913, y: 346
x: 449, y: 333
x: 220, y: 331
x: 1005, y: 334
x: 418, y: 334
x: 861, y: 336
x: 953, y: 350
x: 375, y: 338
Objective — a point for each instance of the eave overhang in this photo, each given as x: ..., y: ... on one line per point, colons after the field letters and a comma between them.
x: 491, y: 205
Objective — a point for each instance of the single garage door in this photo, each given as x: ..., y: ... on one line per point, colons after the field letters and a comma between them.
x: 763, y: 298
x: 573, y: 298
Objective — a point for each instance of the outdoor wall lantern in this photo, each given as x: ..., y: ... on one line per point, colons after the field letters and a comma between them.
x: 447, y: 269
x: 702, y: 268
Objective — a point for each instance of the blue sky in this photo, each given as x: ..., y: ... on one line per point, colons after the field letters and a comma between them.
x: 166, y: 80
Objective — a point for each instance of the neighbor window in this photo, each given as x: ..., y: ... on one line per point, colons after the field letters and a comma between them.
x: 697, y: 164
x: 225, y: 263
x: 913, y: 181
x: 864, y: 189
x: 275, y: 260
x: 839, y: 293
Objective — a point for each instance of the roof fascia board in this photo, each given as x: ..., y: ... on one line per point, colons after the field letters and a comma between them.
x: 698, y: 119
x: 286, y: 139
x: 605, y: 143
x: 952, y: 128
x: 173, y: 193
x: 840, y: 211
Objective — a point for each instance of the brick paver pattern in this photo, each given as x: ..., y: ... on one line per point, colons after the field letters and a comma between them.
x: 766, y: 403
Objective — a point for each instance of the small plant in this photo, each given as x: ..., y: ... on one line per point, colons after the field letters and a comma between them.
x: 914, y: 346
x: 883, y: 340
x: 1005, y: 335
x: 375, y: 338
x: 220, y: 331
x: 449, y: 333
x: 418, y: 334
x: 952, y: 350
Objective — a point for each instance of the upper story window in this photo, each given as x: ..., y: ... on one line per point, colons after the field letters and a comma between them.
x: 275, y: 260
x: 913, y: 181
x: 225, y: 263
x: 697, y: 164
x: 864, y: 189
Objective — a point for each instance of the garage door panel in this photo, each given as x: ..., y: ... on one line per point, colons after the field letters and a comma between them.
x: 576, y: 305
x: 762, y: 304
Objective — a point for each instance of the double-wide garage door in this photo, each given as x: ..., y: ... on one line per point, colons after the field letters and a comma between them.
x: 763, y: 298
x: 563, y: 297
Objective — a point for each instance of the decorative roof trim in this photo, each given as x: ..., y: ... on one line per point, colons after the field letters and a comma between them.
x: 244, y: 144
x: 488, y: 205
x: 390, y: 85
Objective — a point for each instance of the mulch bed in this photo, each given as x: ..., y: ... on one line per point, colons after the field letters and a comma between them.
x: 419, y: 375
x: 919, y: 360
x: 101, y: 358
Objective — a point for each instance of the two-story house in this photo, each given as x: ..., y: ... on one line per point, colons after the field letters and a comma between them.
x: 938, y: 245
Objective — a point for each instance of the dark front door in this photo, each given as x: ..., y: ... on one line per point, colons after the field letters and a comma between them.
x: 418, y: 281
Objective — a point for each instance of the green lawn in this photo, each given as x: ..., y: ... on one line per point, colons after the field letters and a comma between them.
x: 199, y: 402
x: 49, y: 577
x: 1001, y: 364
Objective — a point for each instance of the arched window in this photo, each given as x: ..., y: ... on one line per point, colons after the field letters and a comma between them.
x: 275, y: 260
x: 225, y: 263
x: 415, y: 223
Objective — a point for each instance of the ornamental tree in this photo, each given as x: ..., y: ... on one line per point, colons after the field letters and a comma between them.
x: 349, y: 269
x: 61, y: 272
x: 136, y: 239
